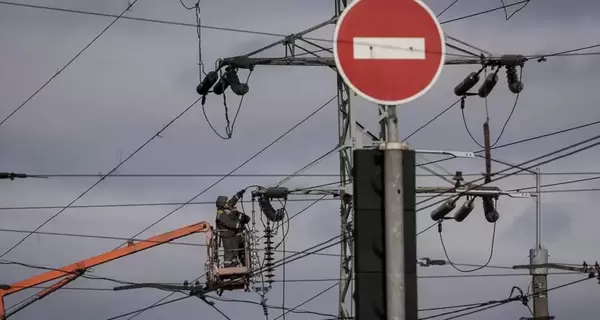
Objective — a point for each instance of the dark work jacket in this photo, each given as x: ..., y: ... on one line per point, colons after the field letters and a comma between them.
x: 227, y: 222
x: 228, y: 219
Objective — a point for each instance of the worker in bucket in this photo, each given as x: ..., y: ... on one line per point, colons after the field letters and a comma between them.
x: 230, y: 224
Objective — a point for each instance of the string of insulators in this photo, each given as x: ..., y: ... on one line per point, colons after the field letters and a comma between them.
x: 514, y: 84
x: 268, y: 260
x: 263, y: 304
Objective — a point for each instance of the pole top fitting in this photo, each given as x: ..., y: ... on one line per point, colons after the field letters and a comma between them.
x: 393, y: 146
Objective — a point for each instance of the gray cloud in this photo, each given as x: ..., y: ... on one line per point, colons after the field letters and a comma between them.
x: 138, y: 76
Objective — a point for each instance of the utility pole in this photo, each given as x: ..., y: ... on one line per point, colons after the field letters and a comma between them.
x: 394, y: 219
x: 302, y: 50
x: 539, y: 256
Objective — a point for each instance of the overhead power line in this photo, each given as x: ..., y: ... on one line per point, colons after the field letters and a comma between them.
x: 432, y: 120
x: 226, y: 29
x: 104, y: 177
x: 523, y: 167
x: 87, y: 276
x: 68, y: 63
x: 156, y: 305
x: 239, y: 166
x: 509, y: 144
x: 493, y: 304
x: 98, y: 237
x: 149, y: 204
x: 258, y: 175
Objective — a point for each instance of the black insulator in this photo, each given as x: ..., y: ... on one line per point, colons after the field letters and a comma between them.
x: 267, y: 209
x: 240, y: 89
x: 208, y: 82
x: 230, y: 78
x: 220, y: 86
x: 489, y: 210
x: 443, y: 210
x: 488, y: 85
x: 515, y: 87
x: 514, y: 84
x: 469, y: 82
x: 463, y: 212
x: 276, y: 192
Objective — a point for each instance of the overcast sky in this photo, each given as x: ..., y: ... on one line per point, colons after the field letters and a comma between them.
x: 138, y: 76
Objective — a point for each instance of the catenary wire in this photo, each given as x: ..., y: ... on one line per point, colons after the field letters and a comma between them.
x: 158, y: 302
x: 32, y: 297
x: 517, y: 299
x: 521, y: 168
x: 465, y: 270
x: 129, y: 6
x: 495, y: 303
x: 514, y: 107
x: 270, y: 307
x: 260, y: 175
x: 155, y: 305
x: 307, y: 301
x: 49, y: 8
x: 522, y: 140
x: 239, y: 166
x: 91, y: 277
x: 447, y: 8
x: 98, y: 237
x: 432, y: 120
x: 542, y: 136
x: 450, y: 276
x: 151, y: 204
x: 568, y: 52
x: 103, y: 177
x: 295, y: 258
x: 558, y: 184
x: 507, y: 16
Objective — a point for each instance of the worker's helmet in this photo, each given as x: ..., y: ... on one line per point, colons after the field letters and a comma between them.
x: 221, y: 201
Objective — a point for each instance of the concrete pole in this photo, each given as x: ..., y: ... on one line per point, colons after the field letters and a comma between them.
x: 394, y: 220
x: 539, y: 255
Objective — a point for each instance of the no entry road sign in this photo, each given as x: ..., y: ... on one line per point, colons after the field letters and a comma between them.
x: 389, y: 51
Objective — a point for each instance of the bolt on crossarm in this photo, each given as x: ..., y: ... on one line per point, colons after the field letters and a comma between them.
x: 75, y: 270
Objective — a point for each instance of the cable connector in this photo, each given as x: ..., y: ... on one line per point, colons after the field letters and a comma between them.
x: 427, y: 262
x: 12, y: 175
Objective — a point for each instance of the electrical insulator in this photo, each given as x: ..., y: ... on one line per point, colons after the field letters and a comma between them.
x: 514, y: 84
x: 268, y: 257
x: 276, y: 192
x: 443, y: 210
x: 234, y: 81
x: 267, y: 209
x: 207, y: 83
x: 489, y: 210
x: 470, y: 81
x: 221, y: 86
x: 488, y: 85
x: 463, y: 212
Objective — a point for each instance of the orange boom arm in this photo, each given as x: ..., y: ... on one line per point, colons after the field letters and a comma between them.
x: 75, y: 270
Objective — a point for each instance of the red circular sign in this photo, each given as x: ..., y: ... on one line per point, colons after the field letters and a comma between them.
x: 389, y: 51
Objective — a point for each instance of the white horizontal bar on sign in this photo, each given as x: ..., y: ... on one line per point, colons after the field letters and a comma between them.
x: 389, y: 48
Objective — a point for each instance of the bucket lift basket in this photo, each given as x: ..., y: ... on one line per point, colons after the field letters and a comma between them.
x: 220, y: 278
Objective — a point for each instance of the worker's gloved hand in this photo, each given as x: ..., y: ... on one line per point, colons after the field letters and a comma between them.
x: 244, y: 219
x: 240, y: 193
